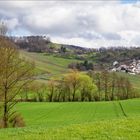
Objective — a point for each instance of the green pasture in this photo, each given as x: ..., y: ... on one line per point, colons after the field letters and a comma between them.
x: 77, y: 121
x: 57, y: 114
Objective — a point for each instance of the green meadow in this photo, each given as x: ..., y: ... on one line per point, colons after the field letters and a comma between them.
x: 65, y: 113
x: 48, y: 64
x: 77, y: 120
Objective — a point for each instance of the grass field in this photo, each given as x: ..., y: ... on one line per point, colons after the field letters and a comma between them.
x: 49, y: 65
x: 87, y: 120
x: 124, y: 129
x: 54, y: 114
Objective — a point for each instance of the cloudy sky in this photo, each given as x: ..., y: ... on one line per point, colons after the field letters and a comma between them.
x: 88, y: 24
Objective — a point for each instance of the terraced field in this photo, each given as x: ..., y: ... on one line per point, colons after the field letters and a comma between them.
x: 77, y: 121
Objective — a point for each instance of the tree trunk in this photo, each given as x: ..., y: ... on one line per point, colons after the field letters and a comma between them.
x: 26, y: 94
x: 51, y: 96
x: 5, y: 116
x: 112, y: 93
x: 73, y: 95
x: 106, y: 91
x: 58, y: 99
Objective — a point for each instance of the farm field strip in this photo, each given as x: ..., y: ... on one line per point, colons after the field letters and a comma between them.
x: 115, y: 109
x: 93, y: 115
x: 45, y: 114
x: 53, y: 114
x: 131, y: 108
x: 77, y: 120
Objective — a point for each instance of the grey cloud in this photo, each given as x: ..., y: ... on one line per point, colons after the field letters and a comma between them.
x: 84, y: 21
x: 112, y: 36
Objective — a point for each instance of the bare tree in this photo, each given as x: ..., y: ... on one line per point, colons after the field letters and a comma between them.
x: 105, y: 83
x: 15, y: 73
x: 113, y: 84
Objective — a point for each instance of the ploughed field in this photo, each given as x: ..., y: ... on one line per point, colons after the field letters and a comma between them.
x: 77, y: 120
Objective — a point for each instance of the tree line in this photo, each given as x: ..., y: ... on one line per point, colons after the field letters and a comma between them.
x: 77, y: 86
x: 112, y: 86
x: 74, y: 86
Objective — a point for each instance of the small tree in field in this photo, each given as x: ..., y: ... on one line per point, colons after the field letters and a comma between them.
x: 15, y: 73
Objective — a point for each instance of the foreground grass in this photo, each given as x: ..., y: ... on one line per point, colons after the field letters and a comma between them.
x: 77, y: 121
x: 119, y: 129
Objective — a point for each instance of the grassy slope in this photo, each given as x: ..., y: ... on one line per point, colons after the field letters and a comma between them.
x: 100, y: 120
x: 48, y: 65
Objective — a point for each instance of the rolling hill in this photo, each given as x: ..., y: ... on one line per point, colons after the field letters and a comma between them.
x: 53, y: 66
x: 48, y: 65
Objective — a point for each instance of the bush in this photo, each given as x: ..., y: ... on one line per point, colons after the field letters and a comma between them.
x: 17, y: 121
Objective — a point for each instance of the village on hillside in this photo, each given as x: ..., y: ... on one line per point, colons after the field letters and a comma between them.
x: 131, y: 68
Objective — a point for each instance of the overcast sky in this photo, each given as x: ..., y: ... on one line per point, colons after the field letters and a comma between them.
x: 89, y: 24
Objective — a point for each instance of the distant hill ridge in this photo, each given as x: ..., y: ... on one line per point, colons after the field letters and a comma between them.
x: 41, y: 43
x: 101, y: 55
